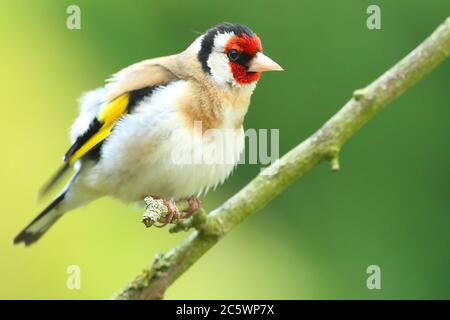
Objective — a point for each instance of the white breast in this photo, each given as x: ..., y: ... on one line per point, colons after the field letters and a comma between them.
x: 148, y: 152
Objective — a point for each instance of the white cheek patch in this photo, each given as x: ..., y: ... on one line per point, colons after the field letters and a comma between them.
x: 218, y: 60
x: 220, y: 69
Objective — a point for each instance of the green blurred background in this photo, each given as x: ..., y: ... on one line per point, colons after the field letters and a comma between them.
x: 389, y: 205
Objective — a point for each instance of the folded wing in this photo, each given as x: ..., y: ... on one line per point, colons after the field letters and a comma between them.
x: 124, y: 89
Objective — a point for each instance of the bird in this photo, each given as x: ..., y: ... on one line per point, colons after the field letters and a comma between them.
x: 141, y: 132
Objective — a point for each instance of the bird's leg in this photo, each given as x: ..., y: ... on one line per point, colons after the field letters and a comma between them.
x: 194, y: 205
x: 165, y: 210
x: 173, y: 214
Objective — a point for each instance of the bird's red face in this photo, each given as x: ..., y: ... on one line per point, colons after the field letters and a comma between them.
x: 241, y: 50
x: 232, y: 55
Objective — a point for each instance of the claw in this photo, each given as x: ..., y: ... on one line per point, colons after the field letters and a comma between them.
x: 194, y: 205
x: 173, y: 214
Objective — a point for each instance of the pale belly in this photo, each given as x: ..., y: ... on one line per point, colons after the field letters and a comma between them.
x: 157, y: 155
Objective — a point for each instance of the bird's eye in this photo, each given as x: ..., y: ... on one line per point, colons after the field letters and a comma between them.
x: 233, y: 55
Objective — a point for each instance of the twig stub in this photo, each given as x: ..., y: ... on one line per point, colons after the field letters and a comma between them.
x: 155, y: 210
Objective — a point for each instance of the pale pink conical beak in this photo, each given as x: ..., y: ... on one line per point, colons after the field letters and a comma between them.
x: 262, y: 63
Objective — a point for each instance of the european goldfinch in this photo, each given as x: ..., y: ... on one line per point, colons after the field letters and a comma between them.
x: 127, y: 133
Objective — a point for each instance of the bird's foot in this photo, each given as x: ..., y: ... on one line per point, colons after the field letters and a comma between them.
x: 173, y: 214
x: 164, y: 210
x: 194, y: 205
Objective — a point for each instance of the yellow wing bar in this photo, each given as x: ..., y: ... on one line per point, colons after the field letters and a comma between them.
x: 114, y: 110
x: 107, y: 117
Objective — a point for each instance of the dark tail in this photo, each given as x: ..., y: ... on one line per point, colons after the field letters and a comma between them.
x: 57, y: 176
x: 41, y: 223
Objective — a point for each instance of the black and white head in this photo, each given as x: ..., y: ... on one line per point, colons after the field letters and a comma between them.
x: 232, y: 55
